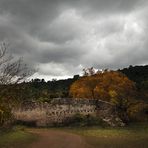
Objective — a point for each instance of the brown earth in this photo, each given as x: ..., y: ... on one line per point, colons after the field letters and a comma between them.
x: 57, y: 139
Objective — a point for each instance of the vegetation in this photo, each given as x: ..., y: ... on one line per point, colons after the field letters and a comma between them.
x: 40, y: 90
x: 110, y: 86
x: 16, y: 138
x: 138, y: 74
x: 5, y: 115
x: 12, y: 71
x: 79, y: 120
x: 37, y: 90
x: 127, y: 89
x: 133, y: 136
x: 103, y: 85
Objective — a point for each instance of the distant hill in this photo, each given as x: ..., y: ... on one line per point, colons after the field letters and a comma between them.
x: 136, y: 73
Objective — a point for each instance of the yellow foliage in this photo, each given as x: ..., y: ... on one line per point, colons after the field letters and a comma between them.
x: 109, y: 86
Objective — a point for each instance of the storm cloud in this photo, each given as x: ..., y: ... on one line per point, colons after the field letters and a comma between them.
x: 61, y: 37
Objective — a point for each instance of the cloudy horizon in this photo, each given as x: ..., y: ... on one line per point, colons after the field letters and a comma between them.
x: 62, y: 37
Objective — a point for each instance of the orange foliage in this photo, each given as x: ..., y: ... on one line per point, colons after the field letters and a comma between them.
x: 109, y: 86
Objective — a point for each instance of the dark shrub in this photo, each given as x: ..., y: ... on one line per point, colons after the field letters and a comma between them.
x: 26, y: 123
x: 83, y: 120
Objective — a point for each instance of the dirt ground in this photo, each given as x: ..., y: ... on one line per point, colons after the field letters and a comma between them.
x: 57, y: 139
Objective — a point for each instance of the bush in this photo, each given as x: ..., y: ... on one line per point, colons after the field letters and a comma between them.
x: 26, y: 123
x: 139, y: 112
x: 83, y: 120
x: 6, y: 117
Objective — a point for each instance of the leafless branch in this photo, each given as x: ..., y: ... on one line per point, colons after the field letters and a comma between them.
x: 11, y: 70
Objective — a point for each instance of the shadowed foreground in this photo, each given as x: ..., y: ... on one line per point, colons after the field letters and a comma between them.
x: 57, y: 139
x: 134, y: 136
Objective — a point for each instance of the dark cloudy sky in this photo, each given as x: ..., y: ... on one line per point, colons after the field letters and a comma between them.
x: 61, y: 37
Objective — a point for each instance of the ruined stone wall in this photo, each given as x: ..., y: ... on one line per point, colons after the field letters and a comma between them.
x: 58, y: 110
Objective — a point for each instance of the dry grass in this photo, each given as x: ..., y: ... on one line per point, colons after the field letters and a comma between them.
x: 135, y: 136
x: 16, y: 138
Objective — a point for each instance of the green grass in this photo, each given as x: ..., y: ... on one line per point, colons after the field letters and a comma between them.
x: 135, y: 136
x: 16, y: 138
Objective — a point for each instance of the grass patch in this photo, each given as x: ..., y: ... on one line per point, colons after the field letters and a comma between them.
x: 16, y: 138
x: 133, y: 136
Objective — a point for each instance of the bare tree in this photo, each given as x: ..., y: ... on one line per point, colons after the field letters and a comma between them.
x: 88, y: 71
x: 12, y: 70
x: 85, y: 72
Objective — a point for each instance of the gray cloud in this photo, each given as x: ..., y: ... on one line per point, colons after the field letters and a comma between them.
x: 61, y: 37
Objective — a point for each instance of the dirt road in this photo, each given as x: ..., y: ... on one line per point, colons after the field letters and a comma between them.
x: 57, y: 139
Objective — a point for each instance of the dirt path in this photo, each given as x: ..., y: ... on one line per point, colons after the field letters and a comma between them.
x: 57, y: 139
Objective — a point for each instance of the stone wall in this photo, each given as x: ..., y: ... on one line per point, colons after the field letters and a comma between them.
x: 58, y: 110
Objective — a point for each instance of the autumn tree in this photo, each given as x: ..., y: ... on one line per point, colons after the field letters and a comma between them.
x: 110, y: 86
x: 84, y: 87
